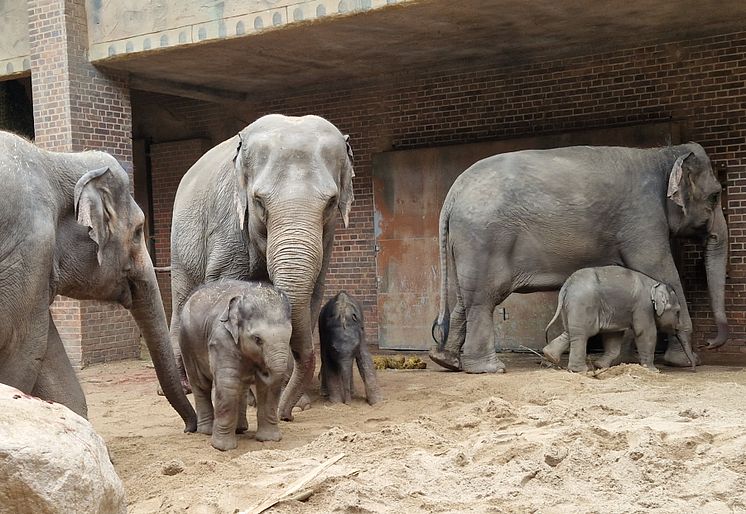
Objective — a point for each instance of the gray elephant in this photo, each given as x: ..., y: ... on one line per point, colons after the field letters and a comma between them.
x: 609, y: 300
x: 234, y: 334
x: 525, y: 221
x: 69, y: 226
x: 263, y: 206
x: 342, y: 341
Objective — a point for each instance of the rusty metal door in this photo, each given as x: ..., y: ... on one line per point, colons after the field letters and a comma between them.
x: 408, y: 191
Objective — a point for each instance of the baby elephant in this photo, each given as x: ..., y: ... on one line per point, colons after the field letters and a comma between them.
x: 609, y: 300
x: 234, y: 334
x: 342, y: 341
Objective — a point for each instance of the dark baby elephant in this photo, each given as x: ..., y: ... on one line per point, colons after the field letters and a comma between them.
x: 342, y: 340
x: 609, y: 300
x: 525, y: 221
x: 234, y: 334
x: 69, y: 226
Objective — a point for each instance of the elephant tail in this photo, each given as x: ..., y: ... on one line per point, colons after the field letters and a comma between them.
x: 441, y: 325
x: 560, y: 299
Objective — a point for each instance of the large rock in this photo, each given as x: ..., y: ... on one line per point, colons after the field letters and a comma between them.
x: 51, y: 460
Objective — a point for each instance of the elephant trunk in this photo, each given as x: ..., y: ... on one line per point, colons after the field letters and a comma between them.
x: 716, y: 256
x: 294, y: 257
x: 147, y: 309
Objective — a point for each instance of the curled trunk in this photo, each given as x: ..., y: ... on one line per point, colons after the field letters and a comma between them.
x: 147, y: 309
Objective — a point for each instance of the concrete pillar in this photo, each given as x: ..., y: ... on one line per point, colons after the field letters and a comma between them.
x: 77, y: 107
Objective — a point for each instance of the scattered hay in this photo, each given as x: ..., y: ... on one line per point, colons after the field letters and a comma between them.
x: 398, y: 362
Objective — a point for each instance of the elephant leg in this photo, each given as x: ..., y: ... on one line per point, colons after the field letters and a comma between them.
x: 56, y: 381
x: 660, y: 266
x: 576, y: 361
x: 243, y: 423
x: 203, y: 407
x: 612, y: 342
x: 646, y: 338
x: 449, y: 355
x: 554, y: 350
x: 227, y: 392
x: 334, y: 387
x: 368, y: 373
x: 25, y: 346
x: 346, y: 380
x: 479, y: 354
x: 202, y: 396
x: 323, y: 388
x: 267, y: 402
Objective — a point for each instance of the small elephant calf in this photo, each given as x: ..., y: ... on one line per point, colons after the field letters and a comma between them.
x: 342, y: 340
x: 608, y: 300
x: 234, y: 334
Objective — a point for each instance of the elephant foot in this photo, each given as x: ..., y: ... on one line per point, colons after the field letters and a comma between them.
x: 677, y: 358
x: 224, y: 442
x: 482, y: 364
x: 604, y: 362
x: 578, y: 367
x: 551, y: 354
x: 303, y: 403
x: 446, y: 359
x: 268, y: 434
x: 204, y: 428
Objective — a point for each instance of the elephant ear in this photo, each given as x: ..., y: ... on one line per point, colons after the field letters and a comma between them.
x: 675, y: 181
x: 346, y: 194
x: 660, y: 297
x: 240, y: 197
x: 230, y: 318
x: 94, y: 207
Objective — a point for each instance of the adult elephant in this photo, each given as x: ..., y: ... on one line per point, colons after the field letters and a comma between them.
x: 525, y: 221
x: 69, y: 226
x: 262, y: 205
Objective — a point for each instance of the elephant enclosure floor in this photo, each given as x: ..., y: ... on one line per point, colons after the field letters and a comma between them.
x: 531, y: 440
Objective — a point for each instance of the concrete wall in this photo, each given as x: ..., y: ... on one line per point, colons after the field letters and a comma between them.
x: 14, y: 40
x: 117, y: 27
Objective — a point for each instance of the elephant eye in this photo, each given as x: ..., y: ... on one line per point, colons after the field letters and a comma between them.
x: 713, y: 198
x: 138, y: 233
x: 258, y: 341
x: 260, y: 209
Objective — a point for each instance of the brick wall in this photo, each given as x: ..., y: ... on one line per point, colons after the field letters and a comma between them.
x: 700, y: 83
x: 77, y: 107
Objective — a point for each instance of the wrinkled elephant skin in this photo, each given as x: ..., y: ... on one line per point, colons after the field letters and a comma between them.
x: 263, y: 206
x: 609, y: 300
x: 234, y: 334
x: 525, y: 221
x: 69, y: 226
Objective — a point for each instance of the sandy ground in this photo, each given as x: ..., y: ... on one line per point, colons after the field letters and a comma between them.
x: 531, y: 440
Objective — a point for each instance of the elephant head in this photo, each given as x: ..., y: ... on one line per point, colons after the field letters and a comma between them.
x: 102, y: 255
x: 293, y: 175
x: 261, y: 337
x: 694, y: 210
x: 667, y: 308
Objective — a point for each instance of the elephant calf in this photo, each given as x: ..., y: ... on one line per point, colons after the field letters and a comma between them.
x: 342, y: 340
x: 609, y: 300
x: 234, y: 334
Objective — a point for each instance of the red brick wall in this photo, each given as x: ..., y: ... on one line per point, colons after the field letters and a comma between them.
x: 700, y: 84
x: 169, y: 161
x: 77, y: 107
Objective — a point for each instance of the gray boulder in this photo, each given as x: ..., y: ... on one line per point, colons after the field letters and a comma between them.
x: 52, y: 461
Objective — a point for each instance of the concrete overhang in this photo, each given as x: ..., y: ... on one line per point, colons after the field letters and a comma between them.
x: 374, y: 45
